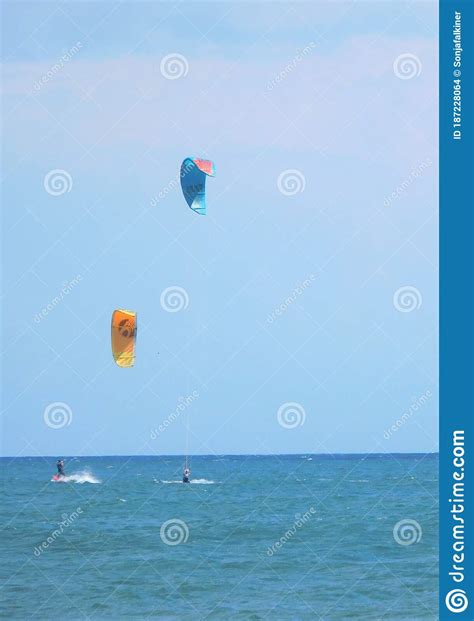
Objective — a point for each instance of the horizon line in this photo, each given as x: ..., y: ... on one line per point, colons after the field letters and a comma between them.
x: 222, y: 455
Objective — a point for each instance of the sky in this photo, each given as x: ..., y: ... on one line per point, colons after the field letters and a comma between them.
x: 306, y: 317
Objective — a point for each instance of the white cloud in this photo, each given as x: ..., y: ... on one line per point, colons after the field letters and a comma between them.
x: 347, y: 102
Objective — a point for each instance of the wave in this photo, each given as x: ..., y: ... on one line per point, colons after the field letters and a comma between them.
x: 78, y: 477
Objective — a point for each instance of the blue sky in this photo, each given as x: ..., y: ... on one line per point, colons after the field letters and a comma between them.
x: 363, y: 143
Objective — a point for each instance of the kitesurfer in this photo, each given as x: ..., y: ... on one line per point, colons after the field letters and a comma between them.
x: 60, y: 467
x: 186, y: 475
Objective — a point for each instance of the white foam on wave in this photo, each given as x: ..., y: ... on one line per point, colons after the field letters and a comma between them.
x: 78, y: 477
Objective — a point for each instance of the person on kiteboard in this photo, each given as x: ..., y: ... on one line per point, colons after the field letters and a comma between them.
x: 60, y: 467
x: 186, y: 475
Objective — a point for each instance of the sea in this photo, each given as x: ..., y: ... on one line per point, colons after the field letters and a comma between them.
x: 274, y: 537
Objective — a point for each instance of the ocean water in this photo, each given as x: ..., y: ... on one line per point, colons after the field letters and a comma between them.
x: 301, y: 537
